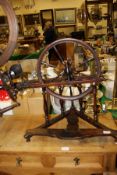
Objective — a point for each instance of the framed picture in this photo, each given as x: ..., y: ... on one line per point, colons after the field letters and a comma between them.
x: 65, y: 16
x: 31, y: 19
x: 46, y: 15
x: 3, y: 20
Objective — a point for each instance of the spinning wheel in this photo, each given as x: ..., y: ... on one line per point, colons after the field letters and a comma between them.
x: 61, y: 72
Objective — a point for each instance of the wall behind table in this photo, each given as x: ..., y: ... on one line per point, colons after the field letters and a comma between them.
x: 45, y: 4
x: 50, y: 4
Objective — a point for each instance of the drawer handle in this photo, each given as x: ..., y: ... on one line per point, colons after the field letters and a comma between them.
x: 18, y: 161
x: 77, y: 161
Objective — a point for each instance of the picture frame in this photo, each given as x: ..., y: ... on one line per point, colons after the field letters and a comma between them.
x: 3, y: 20
x: 31, y: 19
x: 46, y: 15
x: 65, y: 16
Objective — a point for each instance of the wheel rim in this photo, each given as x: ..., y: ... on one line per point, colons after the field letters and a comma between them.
x: 53, y: 45
x: 13, y: 31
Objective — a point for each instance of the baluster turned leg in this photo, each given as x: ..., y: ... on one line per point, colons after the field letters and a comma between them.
x: 62, y: 102
x: 95, y: 103
x: 45, y: 105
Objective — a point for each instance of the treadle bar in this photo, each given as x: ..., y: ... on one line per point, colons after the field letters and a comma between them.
x: 66, y: 134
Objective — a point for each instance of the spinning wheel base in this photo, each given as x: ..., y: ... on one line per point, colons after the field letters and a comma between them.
x: 72, y: 130
x: 66, y: 134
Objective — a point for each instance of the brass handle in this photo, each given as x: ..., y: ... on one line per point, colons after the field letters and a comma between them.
x: 77, y: 161
x: 19, y: 161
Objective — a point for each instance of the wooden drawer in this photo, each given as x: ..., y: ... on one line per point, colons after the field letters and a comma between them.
x: 52, y: 162
x: 79, y: 160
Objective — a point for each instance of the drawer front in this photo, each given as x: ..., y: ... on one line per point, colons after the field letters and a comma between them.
x: 80, y: 160
x: 52, y: 162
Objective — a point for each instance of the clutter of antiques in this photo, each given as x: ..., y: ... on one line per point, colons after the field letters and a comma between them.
x: 58, y: 87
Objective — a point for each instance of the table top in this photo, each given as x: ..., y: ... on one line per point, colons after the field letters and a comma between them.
x: 12, y: 130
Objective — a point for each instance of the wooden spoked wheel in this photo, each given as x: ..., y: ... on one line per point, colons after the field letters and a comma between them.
x: 72, y: 65
x: 13, y: 31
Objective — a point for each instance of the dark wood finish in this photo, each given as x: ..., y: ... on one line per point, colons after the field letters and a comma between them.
x: 72, y: 115
x: 68, y: 77
x: 3, y: 173
x: 32, y: 19
x: 115, y: 87
x: 3, y: 20
x: 115, y: 6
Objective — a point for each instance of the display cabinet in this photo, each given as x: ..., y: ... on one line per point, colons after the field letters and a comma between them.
x: 95, y: 14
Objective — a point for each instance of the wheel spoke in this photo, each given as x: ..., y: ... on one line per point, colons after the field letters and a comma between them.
x: 59, y: 55
x: 88, y: 60
x: 47, y: 64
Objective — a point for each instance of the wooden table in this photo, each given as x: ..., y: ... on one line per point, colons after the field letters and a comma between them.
x: 51, y: 155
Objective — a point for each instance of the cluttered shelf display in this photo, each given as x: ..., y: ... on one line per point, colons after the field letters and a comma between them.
x: 99, y: 16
